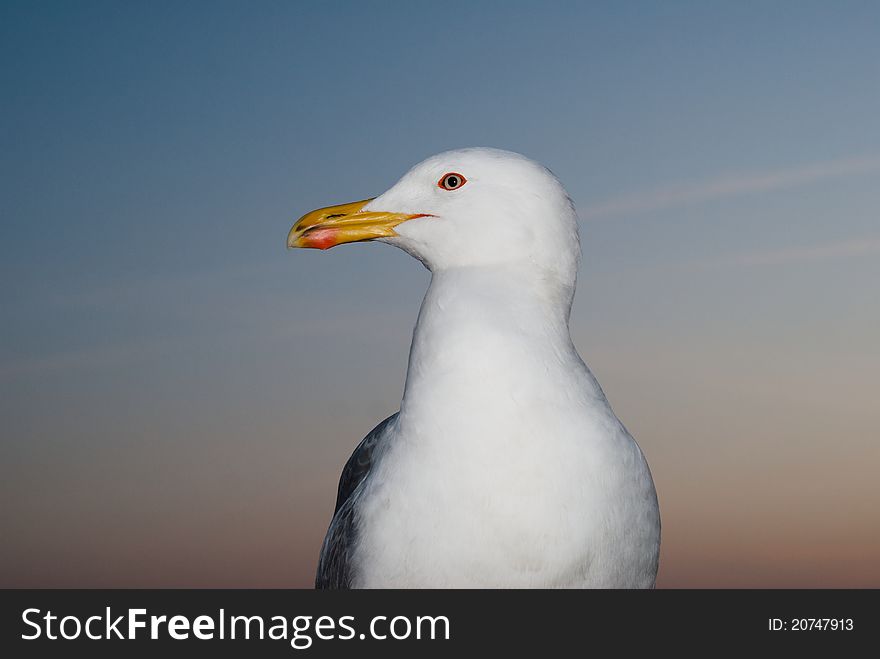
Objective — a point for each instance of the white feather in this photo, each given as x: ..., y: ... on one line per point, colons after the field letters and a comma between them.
x: 506, y: 466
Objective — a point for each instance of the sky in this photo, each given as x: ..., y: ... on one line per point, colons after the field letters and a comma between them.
x: 179, y: 392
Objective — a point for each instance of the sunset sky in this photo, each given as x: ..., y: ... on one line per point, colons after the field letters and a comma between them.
x: 179, y: 392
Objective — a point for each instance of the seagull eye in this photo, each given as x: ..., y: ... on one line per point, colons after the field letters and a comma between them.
x: 451, y: 181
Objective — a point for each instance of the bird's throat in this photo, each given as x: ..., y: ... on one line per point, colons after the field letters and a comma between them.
x: 486, y: 340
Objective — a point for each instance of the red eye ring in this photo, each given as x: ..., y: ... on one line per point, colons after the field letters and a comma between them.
x: 451, y: 181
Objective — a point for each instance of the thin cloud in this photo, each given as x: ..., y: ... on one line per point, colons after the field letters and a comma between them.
x: 788, y: 255
x: 844, y: 249
x: 99, y: 357
x: 731, y: 186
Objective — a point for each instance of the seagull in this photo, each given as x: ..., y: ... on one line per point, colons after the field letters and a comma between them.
x: 505, y: 466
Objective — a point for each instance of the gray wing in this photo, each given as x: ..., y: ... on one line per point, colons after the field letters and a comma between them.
x: 334, y: 566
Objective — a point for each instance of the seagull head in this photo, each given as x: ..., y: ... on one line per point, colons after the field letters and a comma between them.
x: 475, y: 207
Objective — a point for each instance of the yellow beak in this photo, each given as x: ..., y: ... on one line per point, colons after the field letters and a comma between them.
x: 334, y: 225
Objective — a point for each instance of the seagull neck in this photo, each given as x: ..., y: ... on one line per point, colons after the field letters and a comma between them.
x: 486, y: 320
x: 496, y: 296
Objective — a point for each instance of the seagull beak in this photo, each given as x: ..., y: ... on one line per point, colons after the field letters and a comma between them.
x: 334, y: 225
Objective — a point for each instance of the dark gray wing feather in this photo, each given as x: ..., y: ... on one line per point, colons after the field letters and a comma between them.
x: 334, y: 566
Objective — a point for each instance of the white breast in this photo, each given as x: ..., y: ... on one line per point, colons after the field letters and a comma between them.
x: 506, y: 467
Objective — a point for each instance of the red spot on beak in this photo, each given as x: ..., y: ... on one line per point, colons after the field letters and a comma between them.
x: 320, y: 238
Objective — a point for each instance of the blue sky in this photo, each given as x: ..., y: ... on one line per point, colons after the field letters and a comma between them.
x: 165, y: 363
